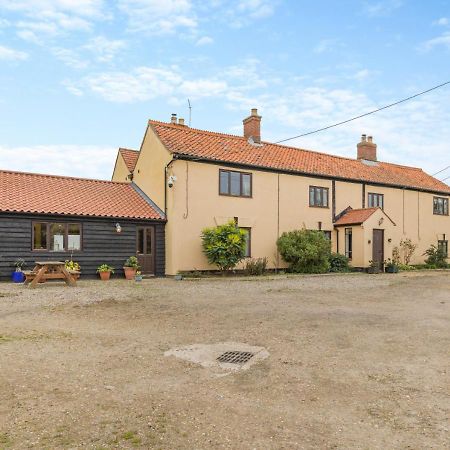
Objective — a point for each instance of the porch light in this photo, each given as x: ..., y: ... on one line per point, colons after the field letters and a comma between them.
x: 118, y: 228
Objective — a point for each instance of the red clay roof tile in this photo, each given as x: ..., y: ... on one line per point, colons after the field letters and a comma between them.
x: 219, y: 147
x: 130, y: 157
x: 50, y: 194
x: 355, y: 216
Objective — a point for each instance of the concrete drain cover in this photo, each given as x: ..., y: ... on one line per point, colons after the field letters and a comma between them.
x: 235, y: 357
x: 224, y: 356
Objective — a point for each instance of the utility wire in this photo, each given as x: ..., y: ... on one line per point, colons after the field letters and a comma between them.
x: 366, y: 114
x: 445, y: 178
x: 445, y: 168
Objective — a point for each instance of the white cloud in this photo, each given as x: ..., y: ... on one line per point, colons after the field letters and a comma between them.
x: 443, y: 21
x: 70, y: 58
x: 239, y: 13
x: 83, y: 8
x: 443, y: 39
x: 10, y: 54
x: 362, y: 75
x: 158, y: 17
x: 325, y: 45
x: 204, y: 40
x: 40, y: 20
x: 382, y: 7
x: 67, y: 160
x: 104, y: 49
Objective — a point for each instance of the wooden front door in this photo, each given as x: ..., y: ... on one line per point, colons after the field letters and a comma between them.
x: 378, y: 247
x: 145, y: 249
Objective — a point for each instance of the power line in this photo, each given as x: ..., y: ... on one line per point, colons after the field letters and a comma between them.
x: 365, y: 114
x: 445, y: 178
x: 445, y: 168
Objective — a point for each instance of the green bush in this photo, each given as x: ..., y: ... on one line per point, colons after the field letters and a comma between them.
x: 224, y: 245
x: 338, y: 263
x: 255, y: 266
x: 306, y: 251
x: 436, y: 257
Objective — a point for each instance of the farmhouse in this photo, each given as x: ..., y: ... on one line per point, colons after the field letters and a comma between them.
x: 201, y: 178
x: 94, y: 222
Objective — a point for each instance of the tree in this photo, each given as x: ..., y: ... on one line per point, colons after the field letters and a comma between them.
x: 305, y: 251
x: 407, y: 249
x: 224, y: 245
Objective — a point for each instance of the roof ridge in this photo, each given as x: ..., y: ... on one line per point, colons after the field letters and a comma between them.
x: 128, y: 149
x: 317, y: 152
x: 46, y: 175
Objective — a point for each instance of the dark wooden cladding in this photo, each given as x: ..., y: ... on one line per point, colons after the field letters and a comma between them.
x: 101, y: 243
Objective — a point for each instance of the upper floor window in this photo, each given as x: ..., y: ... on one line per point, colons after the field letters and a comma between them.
x: 375, y: 200
x: 236, y: 184
x: 318, y: 196
x: 440, y: 206
x: 56, y: 237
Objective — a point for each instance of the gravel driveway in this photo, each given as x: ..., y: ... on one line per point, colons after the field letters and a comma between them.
x: 355, y: 362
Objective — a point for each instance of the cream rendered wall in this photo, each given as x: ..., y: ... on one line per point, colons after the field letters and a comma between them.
x: 149, y: 173
x: 121, y: 171
x: 412, y: 211
x: 348, y: 194
x: 204, y: 207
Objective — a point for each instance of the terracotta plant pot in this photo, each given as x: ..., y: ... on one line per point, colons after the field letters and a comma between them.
x: 105, y: 276
x: 130, y: 272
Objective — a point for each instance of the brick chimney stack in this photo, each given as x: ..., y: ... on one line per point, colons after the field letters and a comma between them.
x: 367, y: 149
x: 252, y: 126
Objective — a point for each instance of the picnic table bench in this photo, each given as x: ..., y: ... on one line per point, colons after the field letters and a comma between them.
x: 50, y: 270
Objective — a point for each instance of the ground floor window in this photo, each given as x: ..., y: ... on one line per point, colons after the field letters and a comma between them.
x: 327, y: 234
x: 443, y: 245
x: 56, y: 237
x: 348, y: 243
x: 248, y: 241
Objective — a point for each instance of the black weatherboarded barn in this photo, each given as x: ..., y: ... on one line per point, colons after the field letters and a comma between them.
x: 45, y: 217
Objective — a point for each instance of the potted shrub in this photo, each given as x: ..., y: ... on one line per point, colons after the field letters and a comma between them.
x: 18, y: 276
x: 390, y: 266
x: 105, y: 271
x: 374, y: 267
x: 138, y: 276
x: 73, y: 268
x: 130, y: 267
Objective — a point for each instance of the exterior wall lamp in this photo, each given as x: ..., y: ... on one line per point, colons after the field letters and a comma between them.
x: 118, y: 228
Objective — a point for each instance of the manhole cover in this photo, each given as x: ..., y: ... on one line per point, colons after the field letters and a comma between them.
x: 235, y: 357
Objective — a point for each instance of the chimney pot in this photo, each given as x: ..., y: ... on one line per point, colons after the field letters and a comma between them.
x: 252, y: 126
x: 173, y: 119
x: 181, y: 121
x: 367, y: 149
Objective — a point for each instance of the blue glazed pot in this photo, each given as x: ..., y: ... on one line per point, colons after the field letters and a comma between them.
x: 18, y: 277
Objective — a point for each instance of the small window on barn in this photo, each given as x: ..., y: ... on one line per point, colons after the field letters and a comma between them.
x: 56, y: 234
x: 74, y: 236
x: 39, y: 236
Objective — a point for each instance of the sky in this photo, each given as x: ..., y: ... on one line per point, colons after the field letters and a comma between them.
x: 80, y: 78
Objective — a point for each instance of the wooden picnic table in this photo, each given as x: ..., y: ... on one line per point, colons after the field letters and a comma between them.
x: 49, y: 270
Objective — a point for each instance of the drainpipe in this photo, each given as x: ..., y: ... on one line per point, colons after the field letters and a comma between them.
x: 166, y: 170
